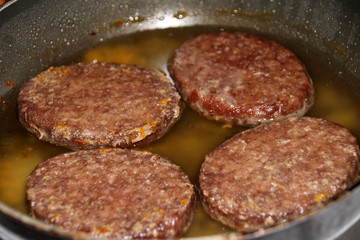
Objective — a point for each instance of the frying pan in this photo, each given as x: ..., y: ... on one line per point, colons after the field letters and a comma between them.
x: 36, y: 34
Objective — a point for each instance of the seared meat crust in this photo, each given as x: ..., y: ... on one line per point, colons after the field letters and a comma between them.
x: 98, y: 105
x: 115, y: 193
x: 277, y: 171
x: 241, y: 79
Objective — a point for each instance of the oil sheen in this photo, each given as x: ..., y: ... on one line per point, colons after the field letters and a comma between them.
x: 193, y: 136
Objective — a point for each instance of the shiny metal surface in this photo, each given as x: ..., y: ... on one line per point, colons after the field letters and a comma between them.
x: 38, y: 34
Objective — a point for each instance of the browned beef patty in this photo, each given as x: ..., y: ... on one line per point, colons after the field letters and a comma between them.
x: 116, y: 193
x: 277, y: 171
x: 241, y: 79
x: 96, y: 105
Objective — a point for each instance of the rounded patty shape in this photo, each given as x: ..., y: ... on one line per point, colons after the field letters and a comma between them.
x: 97, y: 105
x: 277, y: 171
x: 115, y: 193
x: 241, y: 79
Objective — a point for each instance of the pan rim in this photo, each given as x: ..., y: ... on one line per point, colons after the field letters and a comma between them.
x: 26, y: 219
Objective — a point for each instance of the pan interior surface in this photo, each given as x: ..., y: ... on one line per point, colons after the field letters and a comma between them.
x: 37, y: 36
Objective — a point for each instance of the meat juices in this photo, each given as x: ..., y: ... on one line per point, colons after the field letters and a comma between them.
x: 277, y: 171
x: 115, y: 193
x: 97, y: 105
x: 241, y: 79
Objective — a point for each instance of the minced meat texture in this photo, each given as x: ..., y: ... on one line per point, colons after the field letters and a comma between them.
x: 115, y: 193
x: 99, y: 105
x: 241, y: 79
x: 277, y: 171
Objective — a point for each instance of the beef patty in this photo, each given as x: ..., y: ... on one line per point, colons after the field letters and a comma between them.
x: 115, y: 193
x: 241, y: 79
x: 97, y: 105
x: 277, y: 171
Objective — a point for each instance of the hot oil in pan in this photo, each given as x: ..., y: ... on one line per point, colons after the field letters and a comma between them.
x: 191, y: 137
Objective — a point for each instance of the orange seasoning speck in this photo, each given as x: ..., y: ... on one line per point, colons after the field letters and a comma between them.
x: 59, y: 70
x: 65, y: 70
x: 320, y: 197
x: 80, y: 141
x: 164, y: 101
x: 102, y: 229
x: 3, y: 103
x: 234, y: 50
x: 104, y: 149
x: 10, y: 83
x: 142, y: 132
x: 154, y: 125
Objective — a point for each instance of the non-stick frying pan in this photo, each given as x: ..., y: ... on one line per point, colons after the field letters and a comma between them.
x: 37, y: 34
